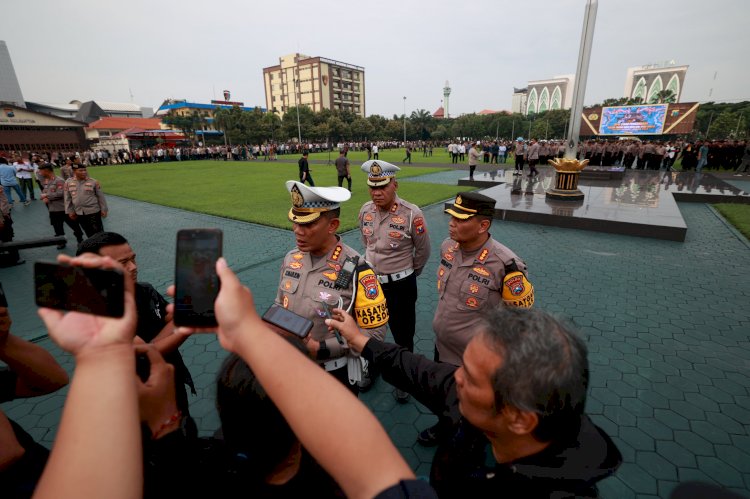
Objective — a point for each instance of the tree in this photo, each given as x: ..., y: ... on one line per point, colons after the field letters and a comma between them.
x: 186, y: 124
x: 421, y: 119
x: 362, y: 129
x: 665, y: 96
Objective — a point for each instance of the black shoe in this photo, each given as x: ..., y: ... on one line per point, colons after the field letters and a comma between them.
x: 400, y: 396
x: 430, y: 436
x: 61, y: 246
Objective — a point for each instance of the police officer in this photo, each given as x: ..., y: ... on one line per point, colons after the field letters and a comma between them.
x: 397, y: 246
x: 476, y: 274
x: 84, y: 201
x: 53, y: 188
x: 310, y: 279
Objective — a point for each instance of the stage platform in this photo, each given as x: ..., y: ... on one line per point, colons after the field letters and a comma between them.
x: 641, y: 203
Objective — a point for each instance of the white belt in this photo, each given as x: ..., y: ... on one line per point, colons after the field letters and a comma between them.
x: 386, y: 278
x: 333, y: 364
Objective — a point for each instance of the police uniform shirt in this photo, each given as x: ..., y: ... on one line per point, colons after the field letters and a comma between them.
x: 395, y: 240
x: 54, y: 189
x: 84, y: 197
x: 467, y: 285
x: 306, y: 283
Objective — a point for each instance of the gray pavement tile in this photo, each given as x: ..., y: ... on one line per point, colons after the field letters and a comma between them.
x: 663, y: 362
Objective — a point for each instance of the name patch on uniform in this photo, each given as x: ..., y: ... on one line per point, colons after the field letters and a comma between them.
x: 479, y: 279
x: 292, y: 274
x: 446, y: 263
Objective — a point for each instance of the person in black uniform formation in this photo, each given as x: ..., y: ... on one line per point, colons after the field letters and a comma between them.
x: 304, y: 170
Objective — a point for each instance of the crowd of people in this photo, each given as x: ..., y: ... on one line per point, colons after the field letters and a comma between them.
x: 507, y: 381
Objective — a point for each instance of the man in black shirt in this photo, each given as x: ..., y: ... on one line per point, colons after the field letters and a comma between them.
x: 517, y: 403
x: 304, y: 170
x: 154, y: 324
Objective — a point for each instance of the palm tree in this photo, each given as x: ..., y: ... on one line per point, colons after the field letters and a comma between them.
x: 421, y: 118
x: 665, y: 96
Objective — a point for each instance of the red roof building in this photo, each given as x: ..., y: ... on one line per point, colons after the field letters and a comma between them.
x: 439, y: 114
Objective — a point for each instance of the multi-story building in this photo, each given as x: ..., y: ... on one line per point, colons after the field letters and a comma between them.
x: 315, y: 82
x: 181, y: 107
x: 645, y: 82
x: 547, y: 95
x: 520, y: 96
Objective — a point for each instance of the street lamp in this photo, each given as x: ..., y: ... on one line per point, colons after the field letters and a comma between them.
x: 404, y: 121
x: 296, y: 104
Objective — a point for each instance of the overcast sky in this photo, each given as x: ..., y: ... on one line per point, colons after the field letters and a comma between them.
x: 158, y: 49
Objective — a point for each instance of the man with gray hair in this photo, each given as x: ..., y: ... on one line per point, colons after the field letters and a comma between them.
x: 522, y: 390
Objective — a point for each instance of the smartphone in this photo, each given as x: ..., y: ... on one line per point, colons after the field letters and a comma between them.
x: 90, y: 291
x: 288, y: 320
x: 3, y: 299
x: 196, y: 282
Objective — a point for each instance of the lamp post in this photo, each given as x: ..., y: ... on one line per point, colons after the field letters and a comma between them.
x: 296, y: 105
x: 404, y: 122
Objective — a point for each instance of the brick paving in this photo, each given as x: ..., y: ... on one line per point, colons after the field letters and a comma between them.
x: 666, y: 324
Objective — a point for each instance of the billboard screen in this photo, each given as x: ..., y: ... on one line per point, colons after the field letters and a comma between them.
x: 633, y: 120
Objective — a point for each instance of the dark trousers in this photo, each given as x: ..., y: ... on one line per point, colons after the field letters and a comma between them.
x: 27, y: 184
x: 91, y: 224
x: 342, y: 374
x: 59, y: 218
x: 471, y: 170
x: 348, y: 181
x: 308, y: 179
x: 9, y: 257
x: 519, y: 162
x: 401, y: 298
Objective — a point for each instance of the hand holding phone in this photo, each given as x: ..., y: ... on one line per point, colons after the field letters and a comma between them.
x: 196, y: 282
x: 288, y: 320
x: 94, y: 291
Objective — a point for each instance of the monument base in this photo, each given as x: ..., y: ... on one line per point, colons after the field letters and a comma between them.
x: 565, y: 195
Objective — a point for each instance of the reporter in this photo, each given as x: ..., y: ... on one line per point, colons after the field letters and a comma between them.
x: 30, y: 371
x: 97, y: 452
x: 356, y: 450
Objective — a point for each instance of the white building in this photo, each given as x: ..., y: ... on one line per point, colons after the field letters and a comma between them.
x: 645, y: 82
x: 10, y: 90
x: 547, y: 95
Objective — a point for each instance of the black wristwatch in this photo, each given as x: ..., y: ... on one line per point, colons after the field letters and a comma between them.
x: 323, y: 352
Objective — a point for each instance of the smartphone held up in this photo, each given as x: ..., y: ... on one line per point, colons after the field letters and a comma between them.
x: 196, y: 281
x: 87, y: 290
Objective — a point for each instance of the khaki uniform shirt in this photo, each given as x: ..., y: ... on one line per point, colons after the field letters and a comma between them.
x: 54, y: 191
x: 474, y: 155
x: 84, y: 197
x: 533, y: 152
x: 304, y: 287
x: 467, y: 286
x: 66, y: 172
x: 396, y: 240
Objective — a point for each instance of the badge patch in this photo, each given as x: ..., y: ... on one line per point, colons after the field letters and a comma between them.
x: 336, y: 253
x: 331, y: 275
x: 298, y: 256
x: 324, y: 296
x: 394, y: 207
x: 481, y: 271
x: 394, y: 234
x: 295, y: 265
x: 472, y: 302
x: 515, y: 285
x: 285, y: 302
x: 397, y: 220
x: 419, y: 225
x: 367, y: 231
x: 368, y: 217
x: 473, y: 288
x: 483, y: 255
x: 393, y: 245
x: 370, y: 283
x: 449, y: 256
x: 441, y: 272
x: 334, y: 266
x: 287, y: 285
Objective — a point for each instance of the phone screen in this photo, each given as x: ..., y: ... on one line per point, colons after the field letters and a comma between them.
x: 90, y: 291
x: 196, y: 282
x: 3, y: 300
x: 288, y: 320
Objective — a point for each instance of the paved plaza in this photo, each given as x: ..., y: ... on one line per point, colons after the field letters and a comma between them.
x: 666, y: 323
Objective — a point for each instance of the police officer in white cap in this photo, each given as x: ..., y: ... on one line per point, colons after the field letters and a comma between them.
x: 397, y: 245
x: 313, y: 275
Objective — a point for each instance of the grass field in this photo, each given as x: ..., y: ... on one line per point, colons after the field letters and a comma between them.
x: 439, y: 155
x: 249, y: 191
x: 738, y: 215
